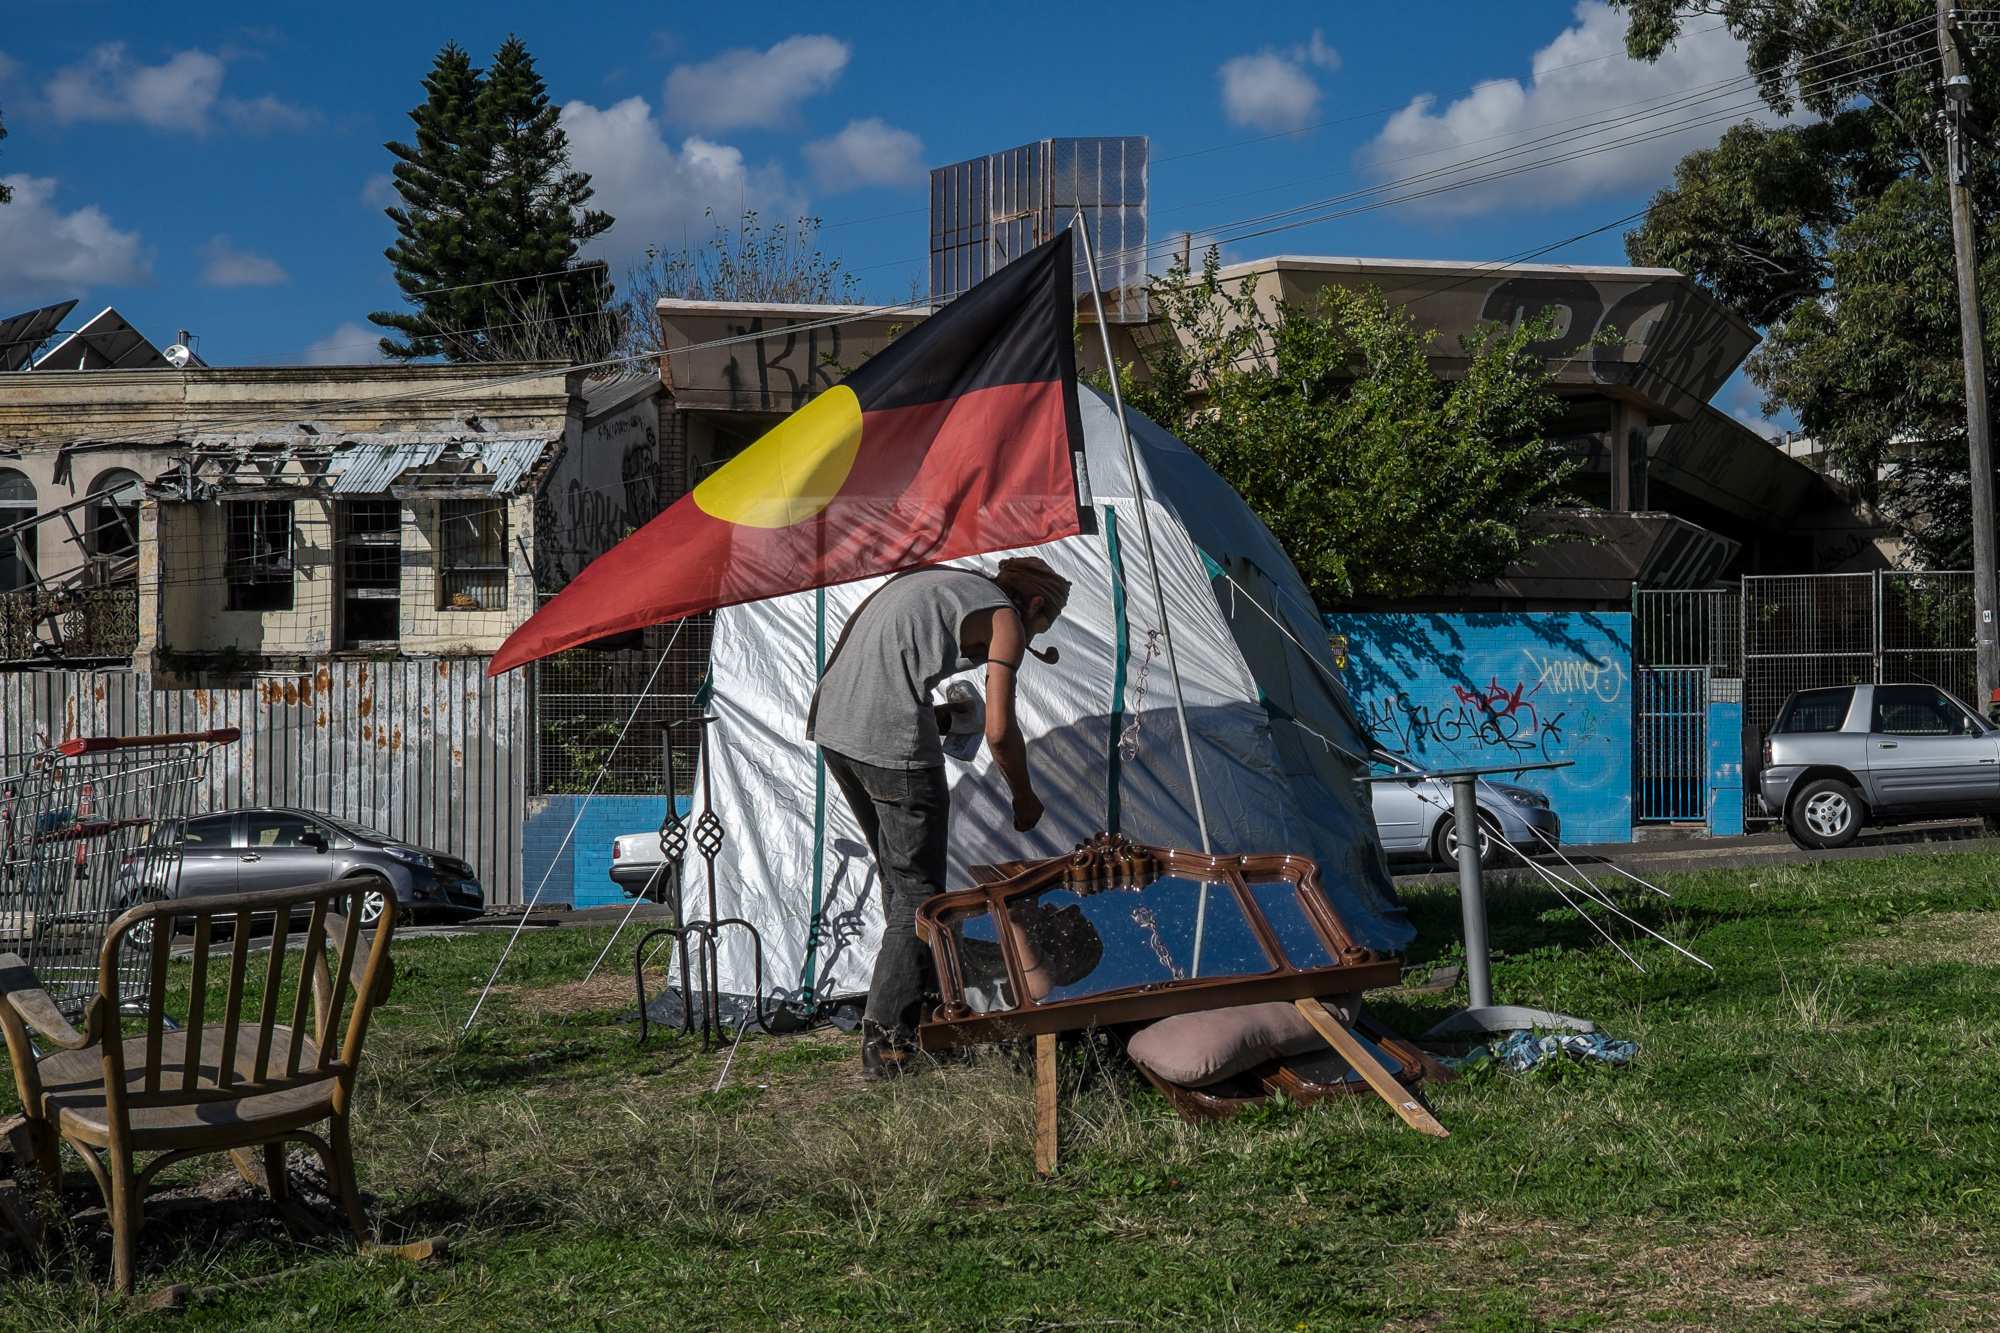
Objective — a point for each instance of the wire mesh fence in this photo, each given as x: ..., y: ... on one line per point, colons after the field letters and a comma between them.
x: 1803, y: 631
x: 584, y: 698
x: 1928, y: 632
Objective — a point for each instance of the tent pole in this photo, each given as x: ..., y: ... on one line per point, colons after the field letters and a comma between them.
x: 1153, y: 566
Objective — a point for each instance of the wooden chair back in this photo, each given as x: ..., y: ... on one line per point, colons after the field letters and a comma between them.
x: 340, y: 972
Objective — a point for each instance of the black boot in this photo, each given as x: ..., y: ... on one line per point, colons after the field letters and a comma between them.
x: 885, y: 1052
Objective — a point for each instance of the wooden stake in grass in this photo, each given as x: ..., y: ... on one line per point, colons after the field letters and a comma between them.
x: 1401, y: 1100
x: 1046, y: 1143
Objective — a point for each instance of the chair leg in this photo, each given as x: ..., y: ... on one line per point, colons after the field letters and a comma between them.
x: 127, y: 1215
x: 343, y: 1179
x: 276, y: 1182
x: 43, y: 1143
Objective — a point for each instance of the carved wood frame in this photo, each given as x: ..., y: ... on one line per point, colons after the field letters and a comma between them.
x: 1108, y: 862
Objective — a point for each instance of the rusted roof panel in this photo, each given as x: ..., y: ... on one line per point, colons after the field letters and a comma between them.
x: 370, y: 469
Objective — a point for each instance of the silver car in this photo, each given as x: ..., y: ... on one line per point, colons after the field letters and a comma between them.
x: 1839, y: 758
x: 1414, y: 814
x: 274, y: 847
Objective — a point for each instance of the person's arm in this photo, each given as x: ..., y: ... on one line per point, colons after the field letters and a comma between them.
x: 1005, y: 647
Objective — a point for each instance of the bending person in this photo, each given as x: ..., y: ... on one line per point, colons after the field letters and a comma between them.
x: 873, y: 719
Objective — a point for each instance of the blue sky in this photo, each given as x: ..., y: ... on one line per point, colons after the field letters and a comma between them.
x: 220, y: 167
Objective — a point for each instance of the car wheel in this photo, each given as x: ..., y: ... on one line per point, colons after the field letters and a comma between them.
x: 141, y: 935
x: 372, y: 903
x: 1826, y: 812
x: 1444, y: 841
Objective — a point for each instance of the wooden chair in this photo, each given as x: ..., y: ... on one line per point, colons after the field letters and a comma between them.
x: 228, y: 1082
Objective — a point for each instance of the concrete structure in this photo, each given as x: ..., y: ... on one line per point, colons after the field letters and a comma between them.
x: 1679, y: 493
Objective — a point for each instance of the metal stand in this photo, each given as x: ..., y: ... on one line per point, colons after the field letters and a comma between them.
x: 1482, y: 1017
x: 696, y: 940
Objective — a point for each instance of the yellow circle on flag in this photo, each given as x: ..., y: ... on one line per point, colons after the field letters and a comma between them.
x: 791, y: 472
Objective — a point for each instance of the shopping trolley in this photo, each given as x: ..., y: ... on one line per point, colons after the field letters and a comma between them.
x: 88, y: 828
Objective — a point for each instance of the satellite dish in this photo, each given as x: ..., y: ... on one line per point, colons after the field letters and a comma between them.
x: 179, y: 355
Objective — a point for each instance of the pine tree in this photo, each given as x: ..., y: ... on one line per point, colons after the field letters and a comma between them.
x: 489, y: 203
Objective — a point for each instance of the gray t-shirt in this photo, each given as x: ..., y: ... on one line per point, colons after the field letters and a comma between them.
x: 874, y: 700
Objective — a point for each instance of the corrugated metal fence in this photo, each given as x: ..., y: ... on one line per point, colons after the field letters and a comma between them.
x: 429, y: 750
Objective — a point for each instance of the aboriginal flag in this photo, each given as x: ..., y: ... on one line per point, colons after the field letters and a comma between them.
x: 954, y: 440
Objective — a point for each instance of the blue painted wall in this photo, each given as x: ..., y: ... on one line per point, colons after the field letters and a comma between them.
x: 581, y: 875
x: 1725, y: 769
x: 1501, y: 687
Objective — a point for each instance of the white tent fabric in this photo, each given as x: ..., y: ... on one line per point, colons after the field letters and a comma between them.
x: 1277, y: 746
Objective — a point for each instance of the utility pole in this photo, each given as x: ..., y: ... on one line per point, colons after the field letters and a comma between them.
x: 1978, y: 429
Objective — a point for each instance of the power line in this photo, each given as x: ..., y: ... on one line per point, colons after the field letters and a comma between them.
x: 1654, y: 108
x: 1156, y: 250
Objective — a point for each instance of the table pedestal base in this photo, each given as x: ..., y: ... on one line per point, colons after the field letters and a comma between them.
x: 1489, y: 1019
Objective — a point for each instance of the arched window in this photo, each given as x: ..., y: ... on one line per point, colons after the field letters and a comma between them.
x: 112, y: 521
x: 17, y: 548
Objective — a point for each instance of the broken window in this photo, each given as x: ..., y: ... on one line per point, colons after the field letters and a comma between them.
x: 371, y: 572
x: 472, y: 555
x: 259, y: 554
x: 17, y: 549
x: 112, y: 521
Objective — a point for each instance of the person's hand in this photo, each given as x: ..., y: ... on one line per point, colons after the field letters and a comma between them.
x: 1027, y: 811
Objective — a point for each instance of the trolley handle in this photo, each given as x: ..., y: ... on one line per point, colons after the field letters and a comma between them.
x: 102, y: 744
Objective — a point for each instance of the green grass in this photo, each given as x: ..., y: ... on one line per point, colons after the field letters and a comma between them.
x: 1807, y: 1140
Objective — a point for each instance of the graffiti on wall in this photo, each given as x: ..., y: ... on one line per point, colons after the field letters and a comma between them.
x: 773, y: 373
x: 1690, y: 342
x: 605, y: 490
x: 1455, y: 690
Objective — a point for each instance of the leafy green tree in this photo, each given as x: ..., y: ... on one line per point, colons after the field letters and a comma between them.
x: 490, y: 208
x: 1378, y: 477
x: 1831, y: 234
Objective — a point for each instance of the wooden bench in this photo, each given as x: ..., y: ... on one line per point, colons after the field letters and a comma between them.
x: 252, y: 1077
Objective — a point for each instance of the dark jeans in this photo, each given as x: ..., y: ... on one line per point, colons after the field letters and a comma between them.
x: 903, y: 813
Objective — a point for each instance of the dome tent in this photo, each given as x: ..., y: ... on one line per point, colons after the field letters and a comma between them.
x: 1277, y: 745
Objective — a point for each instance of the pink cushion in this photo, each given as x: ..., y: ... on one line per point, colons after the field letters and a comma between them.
x: 1197, y: 1049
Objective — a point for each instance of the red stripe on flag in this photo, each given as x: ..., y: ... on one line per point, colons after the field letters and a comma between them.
x: 985, y: 471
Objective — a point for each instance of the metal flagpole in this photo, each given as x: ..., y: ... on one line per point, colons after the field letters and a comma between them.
x: 1153, y: 566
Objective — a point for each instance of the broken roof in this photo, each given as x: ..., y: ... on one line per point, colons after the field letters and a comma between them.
x: 368, y: 464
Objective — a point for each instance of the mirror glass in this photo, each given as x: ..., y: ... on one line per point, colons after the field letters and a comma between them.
x: 979, y: 961
x: 1079, y: 945
x: 1278, y: 900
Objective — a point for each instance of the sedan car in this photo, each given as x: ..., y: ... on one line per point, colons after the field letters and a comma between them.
x: 1851, y: 755
x: 1414, y: 814
x: 271, y: 847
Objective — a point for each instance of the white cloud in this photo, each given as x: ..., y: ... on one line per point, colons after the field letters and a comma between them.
x: 182, y: 93
x: 267, y: 115
x: 1274, y: 89
x: 745, y: 88
x: 226, y: 266
x: 658, y: 193
x: 379, y: 191
x: 349, y: 344
x: 1760, y: 423
x: 866, y: 152
x: 1586, y: 92
x: 45, y: 250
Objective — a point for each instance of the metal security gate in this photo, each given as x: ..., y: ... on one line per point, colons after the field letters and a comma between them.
x: 1687, y: 653
x: 1670, y: 733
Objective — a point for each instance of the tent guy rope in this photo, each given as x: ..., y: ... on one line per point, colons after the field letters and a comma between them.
x: 570, y: 833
